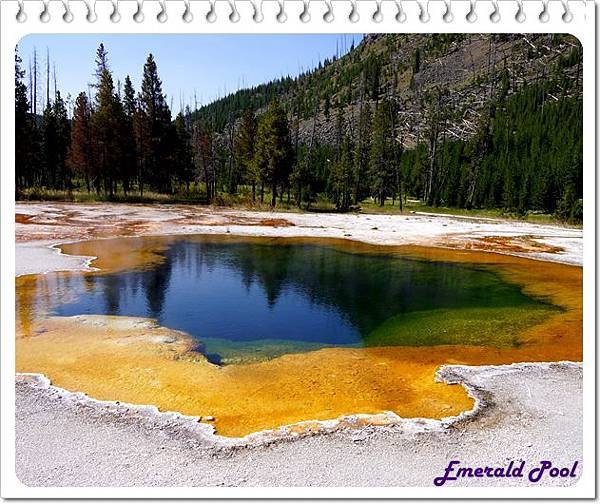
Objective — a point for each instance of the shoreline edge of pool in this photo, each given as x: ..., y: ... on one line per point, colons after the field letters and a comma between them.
x: 520, y: 368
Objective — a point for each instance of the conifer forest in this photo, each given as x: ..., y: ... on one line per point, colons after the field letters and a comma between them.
x: 461, y: 121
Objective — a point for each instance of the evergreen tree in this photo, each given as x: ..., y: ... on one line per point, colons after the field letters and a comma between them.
x: 303, y: 177
x: 80, y: 159
x: 372, y: 76
x: 49, y: 147
x: 435, y: 112
x: 381, y: 159
x: 158, y: 133
x: 361, y: 157
x: 183, y: 156
x: 273, y: 155
x: 128, y: 144
x: 343, y: 177
x: 25, y: 132
x: 327, y: 107
x: 244, y: 149
x: 129, y: 100
x: 518, y: 147
x: 106, y: 129
x: 229, y: 165
x: 203, y: 151
x: 63, y: 139
x: 339, y: 132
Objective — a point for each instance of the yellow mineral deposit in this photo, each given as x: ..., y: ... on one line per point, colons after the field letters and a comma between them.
x: 135, y: 361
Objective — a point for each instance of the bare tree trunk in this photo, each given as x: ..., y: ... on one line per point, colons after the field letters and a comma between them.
x: 430, y: 173
x: 207, y: 182
x: 35, y: 75
x: 141, y: 179
x: 273, y: 195
x: 47, y: 77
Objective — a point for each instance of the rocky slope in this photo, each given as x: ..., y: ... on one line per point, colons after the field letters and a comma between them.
x: 461, y: 73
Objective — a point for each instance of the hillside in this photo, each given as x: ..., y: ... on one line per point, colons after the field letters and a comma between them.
x: 471, y: 69
x: 453, y: 120
x: 487, y: 121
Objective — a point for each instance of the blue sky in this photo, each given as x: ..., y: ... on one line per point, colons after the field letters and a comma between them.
x: 210, y: 65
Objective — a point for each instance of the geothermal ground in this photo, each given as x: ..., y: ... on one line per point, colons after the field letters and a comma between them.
x: 64, y: 439
x: 41, y: 225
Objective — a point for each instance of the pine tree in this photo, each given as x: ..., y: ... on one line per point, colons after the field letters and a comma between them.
x: 128, y: 144
x: 183, y: 157
x: 63, y: 139
x: 339, y: 132
x: 523, y: 153
x: 381, y: 159
x: 49, y: 151
x: 416, y: 61
x: 244, y: 149
x: 327, y: 107
x: 203, y: 151
x: 106, y: 126
x: 80, y: 159
x: 435, y: 119
x: 129, y: 100
x: 25, y: 134
x: 229, y: 164
x: 343, y: 177
x: 302, y: 177
x: 273, y: 155
x: 361, y: 156
x: 158, y: 145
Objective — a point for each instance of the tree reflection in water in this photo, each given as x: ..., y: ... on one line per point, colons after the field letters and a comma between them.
x: 249, y: 293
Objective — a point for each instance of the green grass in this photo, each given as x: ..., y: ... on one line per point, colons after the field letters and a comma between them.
x: 76, y: 196
x: 488, y: 213
x: 197, y: 196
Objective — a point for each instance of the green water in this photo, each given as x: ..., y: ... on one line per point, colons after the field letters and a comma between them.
x: 256, y: 300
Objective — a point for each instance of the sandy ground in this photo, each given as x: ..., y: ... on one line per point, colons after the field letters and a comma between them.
x: 41, y: 225
x: 68, y: 440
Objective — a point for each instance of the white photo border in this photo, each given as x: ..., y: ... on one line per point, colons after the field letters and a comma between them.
x: 582, y: 26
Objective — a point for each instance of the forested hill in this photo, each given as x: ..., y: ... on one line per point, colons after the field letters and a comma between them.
x: 468, y: 121
x: 476, y: 121
x: 467, y: 71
